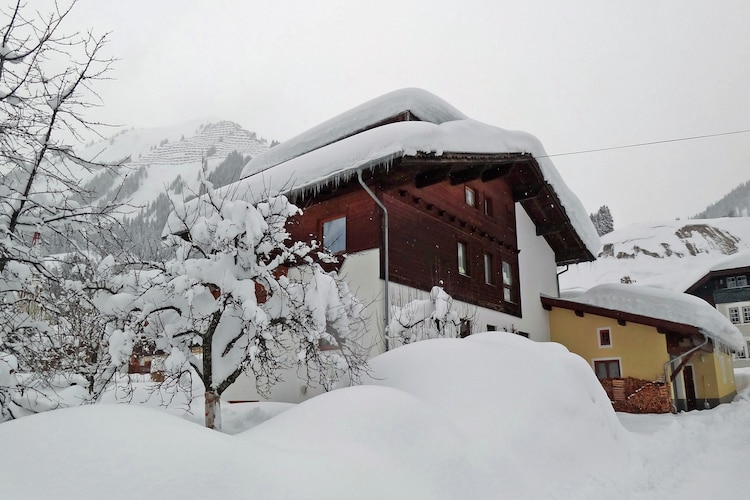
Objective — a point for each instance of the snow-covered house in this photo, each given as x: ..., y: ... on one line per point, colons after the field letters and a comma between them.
x: 652, y: 335
x: 726, y: 286
x: 412, y: 193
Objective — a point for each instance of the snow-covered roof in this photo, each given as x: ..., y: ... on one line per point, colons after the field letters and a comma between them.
x: 317, y: 158
x: 664, y: 305
x: 736, y: 261
x: 424, y: 105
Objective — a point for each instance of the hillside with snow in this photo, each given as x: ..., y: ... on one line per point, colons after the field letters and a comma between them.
x: 670, y: 255
x: 158, y: 163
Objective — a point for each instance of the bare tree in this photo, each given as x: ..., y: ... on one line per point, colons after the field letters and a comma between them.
x: 46, y: 79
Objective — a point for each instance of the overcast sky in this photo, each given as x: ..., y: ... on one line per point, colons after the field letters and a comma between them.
x: 579, y: 74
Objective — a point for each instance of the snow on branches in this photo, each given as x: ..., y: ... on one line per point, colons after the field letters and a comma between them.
x: 422, y: 319
x: 240, y: 296
x: 46, y: 86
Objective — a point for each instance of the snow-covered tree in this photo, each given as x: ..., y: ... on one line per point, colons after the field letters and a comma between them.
x: 46, y: 79
x: 602, y: 220
x: 421, y: 319
x: 239, y: 296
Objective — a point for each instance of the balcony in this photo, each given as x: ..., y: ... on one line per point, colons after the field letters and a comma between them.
x: 727, y: 295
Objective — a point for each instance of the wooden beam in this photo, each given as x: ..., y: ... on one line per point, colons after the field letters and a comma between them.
x: 550, y: 228
x: 466, y: 174
x: 681, y: 366
x: 527, y: 192
x: 430, y: 177
x: 496, y: 172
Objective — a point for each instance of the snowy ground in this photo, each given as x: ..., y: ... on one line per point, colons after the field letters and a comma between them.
x: 491, y: 416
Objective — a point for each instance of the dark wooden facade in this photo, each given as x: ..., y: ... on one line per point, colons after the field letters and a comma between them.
x: 428, y: 216
x: 425, y: 225
x: 713, y: 287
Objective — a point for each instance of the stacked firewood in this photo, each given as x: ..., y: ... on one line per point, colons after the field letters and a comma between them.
x: 632, y: 395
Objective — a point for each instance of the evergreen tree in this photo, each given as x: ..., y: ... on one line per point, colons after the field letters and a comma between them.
x: 602, y: 220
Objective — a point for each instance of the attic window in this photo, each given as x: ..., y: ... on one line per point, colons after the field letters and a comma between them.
x: 471, y: 196
x: 334, y: 235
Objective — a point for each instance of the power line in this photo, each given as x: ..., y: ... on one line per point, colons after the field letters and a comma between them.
x: 666, y: 141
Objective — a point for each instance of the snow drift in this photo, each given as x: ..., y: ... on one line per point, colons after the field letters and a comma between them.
x: 494, y: 414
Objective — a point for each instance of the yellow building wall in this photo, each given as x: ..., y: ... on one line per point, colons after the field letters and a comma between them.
x: 642, y: 350
x: 713, y: 375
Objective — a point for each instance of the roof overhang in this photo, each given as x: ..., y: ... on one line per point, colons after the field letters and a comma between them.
x: 661, y: 325
x: 521, y: 172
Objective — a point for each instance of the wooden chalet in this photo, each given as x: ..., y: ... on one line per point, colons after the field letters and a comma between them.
x: 412, y: 193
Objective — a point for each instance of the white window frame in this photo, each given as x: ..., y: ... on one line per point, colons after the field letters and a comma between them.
x: 470, y: 196
x: 489, y: 272
x: 339, y: 244
x: 741, y: 280
x: 462, y: 254
x: 619, y: 365
x: 599, y: 337
x: 734, y: 315
x: 507, y: 272
x: 731, y: 282
x: 746, y: 314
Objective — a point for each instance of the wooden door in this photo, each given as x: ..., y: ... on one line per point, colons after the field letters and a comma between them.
x: 687, y: 376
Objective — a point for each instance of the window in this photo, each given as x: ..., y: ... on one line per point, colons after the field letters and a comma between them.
x: 607, y: 368
x: 334, y: 235
x: 742, y: 280
x: 508, y: 282
x: 734, y: 315
x: 731, y: 282
x: 605, y: 337
x: 464, y: 329
x: 741, y: 353
x: 746, y: 314
x: 470, y: 196
x: 491, y: 328
x: 488, y: 207
x: 489, y: 272
x: 463, y: 260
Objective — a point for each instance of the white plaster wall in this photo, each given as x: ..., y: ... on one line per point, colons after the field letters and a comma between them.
x: 742, y: 327
x: 360, y: 271
x: 538, y: 272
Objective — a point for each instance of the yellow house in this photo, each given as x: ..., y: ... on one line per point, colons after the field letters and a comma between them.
x: 652, y: 336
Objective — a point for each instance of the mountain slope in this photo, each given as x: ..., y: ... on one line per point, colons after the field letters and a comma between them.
x: 671, y: 255
x: 164, y: 162
x: 736, y: 203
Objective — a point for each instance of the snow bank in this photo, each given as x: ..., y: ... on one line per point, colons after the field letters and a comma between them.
x: 441, y: 418
x: 665, y: 305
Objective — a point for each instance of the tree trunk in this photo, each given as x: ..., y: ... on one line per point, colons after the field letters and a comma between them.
x: 213, y: 410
